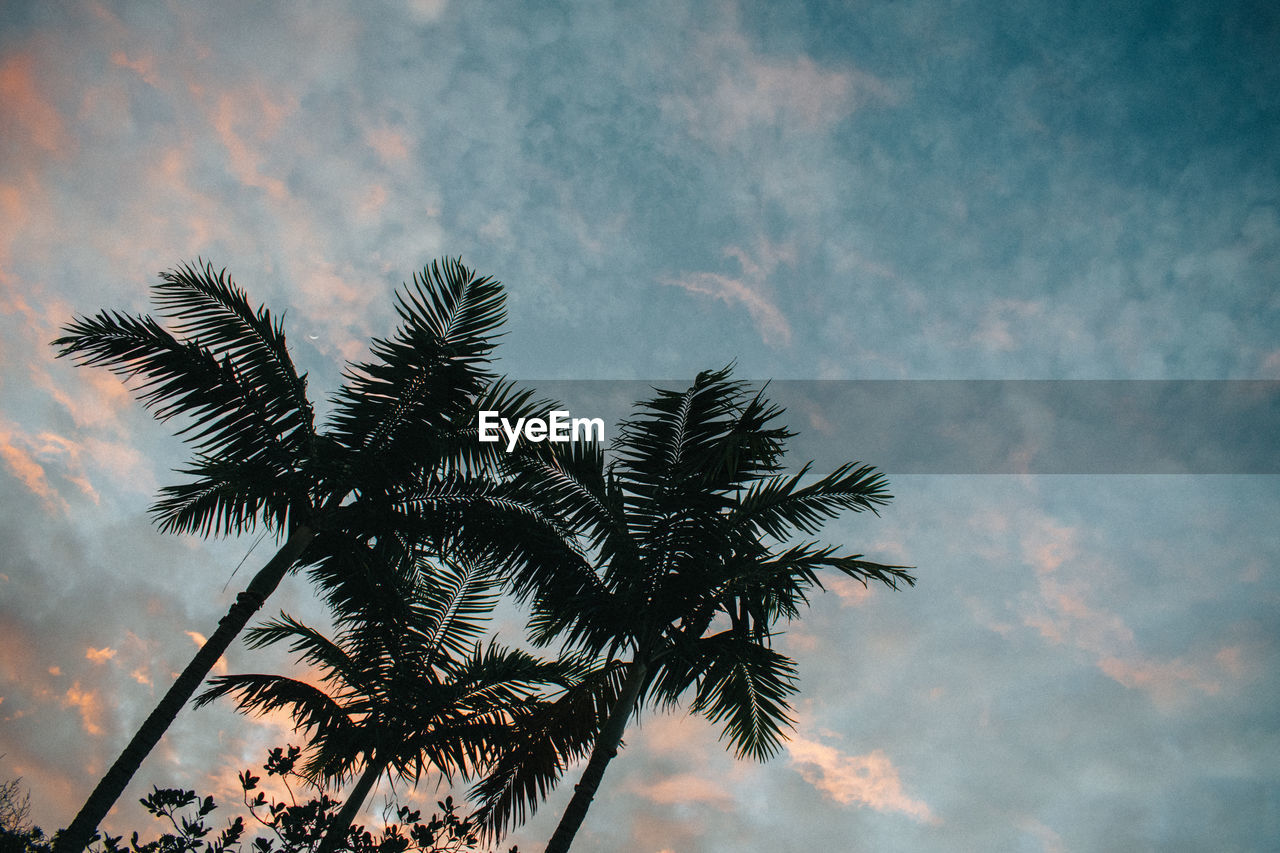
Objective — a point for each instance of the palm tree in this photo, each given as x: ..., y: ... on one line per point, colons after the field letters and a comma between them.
x: 689, y: 569
x: 408, y: 688
x: 399, y: 444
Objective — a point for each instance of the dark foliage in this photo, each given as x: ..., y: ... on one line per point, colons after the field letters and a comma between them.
x: 272, y: 826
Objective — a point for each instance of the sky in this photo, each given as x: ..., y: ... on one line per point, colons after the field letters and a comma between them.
x: 818, y: 192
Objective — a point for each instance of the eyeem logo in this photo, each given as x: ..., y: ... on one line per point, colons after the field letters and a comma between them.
x: 560, y: 427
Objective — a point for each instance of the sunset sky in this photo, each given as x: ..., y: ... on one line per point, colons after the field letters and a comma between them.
x: 820, y: 191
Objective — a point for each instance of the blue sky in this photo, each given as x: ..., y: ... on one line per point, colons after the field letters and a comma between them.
x: 911, y: 190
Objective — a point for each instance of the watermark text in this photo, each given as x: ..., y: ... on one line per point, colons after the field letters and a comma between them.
x: 558, y: 427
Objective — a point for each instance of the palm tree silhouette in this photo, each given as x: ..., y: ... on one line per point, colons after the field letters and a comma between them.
x: 399, y: 447
x: 687, y: 570
x: 409, y: 689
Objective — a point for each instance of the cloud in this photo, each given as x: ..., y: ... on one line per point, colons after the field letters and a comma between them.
x: 684, y: 788
x: 1051, y: 841
x: 99, y: 656
x: 996, y: 329
x: 46, y: 447
x: 143, y: 66
x: 390, y: 144
x: 747, y: 90
x: 1165, y: 681
x: 23, y: 106
x: 749, y: 289
x: 89, y: 704
x: 427, y: 11
x: 234, y: 115
x: 868, y: 780
x: 96, y: 401
x: 29, y: 472
x: 850, y: 592
x: 1063, y: 615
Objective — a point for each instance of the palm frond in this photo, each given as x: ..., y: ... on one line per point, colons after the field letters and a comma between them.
x: 460, y: 309
x: 453, y: 602
x: 775, y: 586
x: 461, y: 447
x: 228, y: 496
x: 495, y: 524
x: 311, y: 647
x: 715, y: 435
x: 780, y: 504
x: 745, y: 686
x: 682, y: 460
x: 210, y: 309
x: 360, y: 566
x: 178, y: 378
x: 569, y: 482
x: 311, y: 708
x: 414, y: 398
x: 544, y: 740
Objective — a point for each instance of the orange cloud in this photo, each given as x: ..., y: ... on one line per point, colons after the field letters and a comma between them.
x: 849, y: 591
x: 13, y: 209
x: 1165, y: 681
x: 391, y: 146
x: 869, y: 780
x: 1231, y: 658
x: 685, y: 788
x: 262, y: 114
x: 372, y: 202
x: 801, y: 641
x: 100, y: 656
x: 30, y: 472
x: 24, y: 455
x: 677, y: 734
x: 329, y: 300
x: 143, y: 66
x: 773, y: 327
x: 1063, y: 615
x: 88, y: 704
x: 22, y: 106
x: 99, y: 397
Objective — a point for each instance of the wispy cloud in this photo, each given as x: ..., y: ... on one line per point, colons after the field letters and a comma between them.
x: 242, y: 121
x: 25, y: 109
x: 684, y: 788
x: 30, y: 473
x: 864, y: 780
x: 750, y: 289
x: 26, y: 456
x: 850, y: 592
x: 1063, y: 614
x: 748, y: 90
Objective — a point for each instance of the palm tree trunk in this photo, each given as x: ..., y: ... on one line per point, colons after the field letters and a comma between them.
x: 341, y: 824
x: 76, y: 837
x: 601, y: 754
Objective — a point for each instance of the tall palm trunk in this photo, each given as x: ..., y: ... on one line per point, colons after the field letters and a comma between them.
x: 601, y: 754
x: 341, y: 824
x: 76, y: 837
